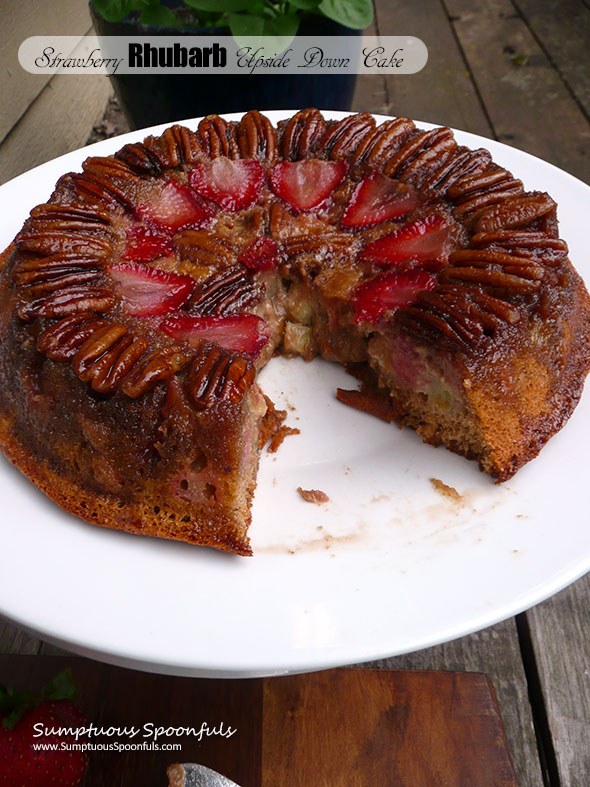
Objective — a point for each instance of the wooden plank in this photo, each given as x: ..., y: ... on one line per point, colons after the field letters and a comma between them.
x: 20, y: 20
x: 496, y: 652
x: 560, y: 633
x: 528, y: 104
x: 386, y: 728
x: 58, y: 121
x: 370, y: 93
x: 563, y: 29
x: 15, y: 641
x: 443, y: 92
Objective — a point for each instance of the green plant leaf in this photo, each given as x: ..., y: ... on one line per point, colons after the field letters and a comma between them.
x: 357, y: 14
x: 305, y: 5
x: 158, y: 16
x: 115, y: 10
x: 227, y: 6
x: 284, y: 25
x: 60, y: 688
x: 245, y: 25
x: 14, y: 703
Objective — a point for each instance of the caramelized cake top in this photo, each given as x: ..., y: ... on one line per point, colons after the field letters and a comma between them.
x: 159, y: 259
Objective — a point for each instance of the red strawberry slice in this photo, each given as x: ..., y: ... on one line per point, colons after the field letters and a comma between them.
x: 376, y: 199
x: 388, y: 291
x: 177, y: 207
x: 423, y: 240
x: 150, y: 292
x: 306, y: 184
x: 231, y: 184
x: 260, y: 255
x: 146, y: 243
x: 245, y: 333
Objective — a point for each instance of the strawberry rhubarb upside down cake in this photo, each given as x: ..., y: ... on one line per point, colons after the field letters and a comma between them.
x: 138, y: 304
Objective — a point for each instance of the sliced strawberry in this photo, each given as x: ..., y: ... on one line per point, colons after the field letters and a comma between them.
x: 260, y: 255
x: 388, y: 291
x: 231, y: 184
x: 146, y: 243
x: 423, y: 240
x: 245, y: 333
x: 177, y: 207
x: 150, y: 292
x: 376, y: 199
x: 306, y: 184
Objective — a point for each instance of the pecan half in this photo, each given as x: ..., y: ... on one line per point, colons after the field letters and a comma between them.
x: 225, y: 293
x: 514, y: 212
x: 429, y: 160
x: 156, y: 367
x: 95, y: 346
x: 139, y: 158
x: 301, y: 134
x: 466, y: 300
x: 257, y: 137
x: 460, y: 164
x: 478, y: 183
x: 377, y: 148
x: 217, y: 375
x: 176, y: 146
x: 433, y: 327
x: 61, y: 341
x: 417, y: 146
x: 77, y: 216
x: 205, y: 249
x: 499, y: 282
x: 496, y: 258
x: 71, y: 300
x: 32, y: 271
x: 218, y: 137
x: 107, y: 357
x: 62, y: 241
x: 493, y: 196
x: 455, y: 311
x: 534, y: 245
x: 342, y: 137
x: 326, y: 243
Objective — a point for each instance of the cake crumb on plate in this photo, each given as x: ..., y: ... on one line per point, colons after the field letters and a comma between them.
x: 446, y: 491
x: 313, y: 496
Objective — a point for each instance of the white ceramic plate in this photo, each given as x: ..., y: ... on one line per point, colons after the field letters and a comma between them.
x: 388, y: 566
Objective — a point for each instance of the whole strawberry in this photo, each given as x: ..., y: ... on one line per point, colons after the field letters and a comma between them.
x: 28, y: 759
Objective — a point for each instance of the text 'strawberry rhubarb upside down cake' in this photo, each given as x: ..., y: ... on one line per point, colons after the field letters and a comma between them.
x: 139, y: 303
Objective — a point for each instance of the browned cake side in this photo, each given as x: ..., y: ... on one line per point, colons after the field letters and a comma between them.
x: 463, y: 303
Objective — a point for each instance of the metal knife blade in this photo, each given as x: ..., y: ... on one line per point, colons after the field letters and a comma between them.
x: 191, y: 774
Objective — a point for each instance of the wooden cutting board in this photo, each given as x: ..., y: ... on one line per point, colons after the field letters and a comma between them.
x: 338, y: 728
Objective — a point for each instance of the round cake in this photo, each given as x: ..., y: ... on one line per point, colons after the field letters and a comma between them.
x: 139, y: 303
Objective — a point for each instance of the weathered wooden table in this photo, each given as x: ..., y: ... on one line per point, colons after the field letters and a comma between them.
x: 514, y: 70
